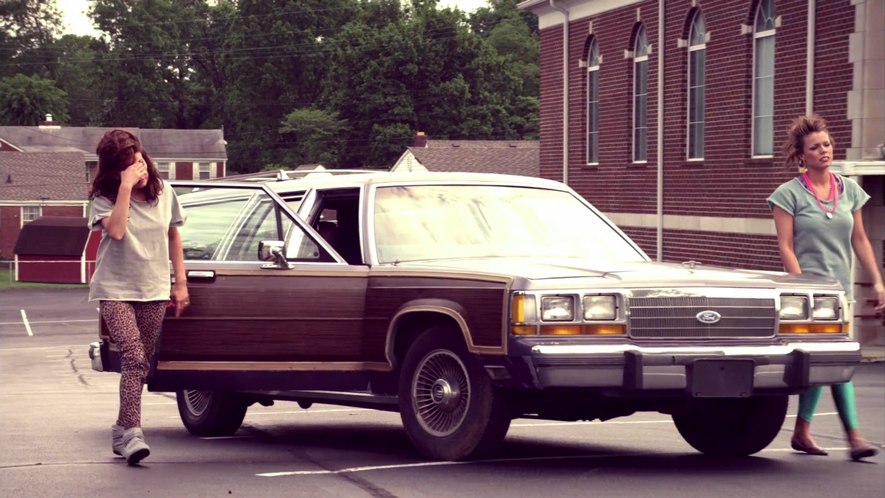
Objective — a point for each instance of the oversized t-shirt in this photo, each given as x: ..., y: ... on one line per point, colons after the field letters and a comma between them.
x: 822, y: 245
x: 136, y: 267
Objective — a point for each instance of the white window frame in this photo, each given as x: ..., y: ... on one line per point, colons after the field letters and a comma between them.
x: 197, y: 169
x: 640, y: 56
x: 693, y: 47
x: 168, y: 168
x: 759, y: 36
x: 25, y: 214
x: 593, y: 63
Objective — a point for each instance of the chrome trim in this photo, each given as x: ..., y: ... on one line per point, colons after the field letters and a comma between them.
x: 708, y: 317
x: 95, y: 356
x: 770, y: 350
x: 273, y: 366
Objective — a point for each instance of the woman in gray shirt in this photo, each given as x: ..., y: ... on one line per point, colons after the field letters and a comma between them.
x: 818, y: 220
x: 138, y: 214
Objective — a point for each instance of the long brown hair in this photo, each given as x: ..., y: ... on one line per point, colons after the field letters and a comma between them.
x: 801, y: 127
x: 116, y: 151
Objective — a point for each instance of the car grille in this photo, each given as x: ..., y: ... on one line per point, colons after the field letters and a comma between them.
x: 666, y: 317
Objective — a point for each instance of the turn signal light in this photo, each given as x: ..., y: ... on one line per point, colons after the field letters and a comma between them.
x: 810, y: 328
x: 583, y: 330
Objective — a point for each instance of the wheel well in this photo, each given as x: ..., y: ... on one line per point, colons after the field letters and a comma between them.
x: 410, y: 326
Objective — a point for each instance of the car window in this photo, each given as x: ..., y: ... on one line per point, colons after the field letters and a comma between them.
x: 470, y: 221
x: 228, y: 224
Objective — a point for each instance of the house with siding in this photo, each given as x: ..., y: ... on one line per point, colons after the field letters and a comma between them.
x: 508, y: 157
x: 178, y: 154
x: 669, y: 116
x: 35, y: 184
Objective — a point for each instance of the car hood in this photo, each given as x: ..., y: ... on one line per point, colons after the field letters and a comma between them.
x: 582, y: 272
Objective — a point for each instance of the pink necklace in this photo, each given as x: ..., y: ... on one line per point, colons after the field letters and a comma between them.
x: 833, y: 193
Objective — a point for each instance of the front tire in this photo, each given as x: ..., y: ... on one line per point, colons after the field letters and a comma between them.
x: 732, y: 426
x: 211, y: 413
x: 448, y: 405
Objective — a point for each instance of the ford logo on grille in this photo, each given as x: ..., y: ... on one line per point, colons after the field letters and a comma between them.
x: 708, y: 317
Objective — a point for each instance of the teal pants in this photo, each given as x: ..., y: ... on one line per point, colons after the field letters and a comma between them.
x: 843, y: 395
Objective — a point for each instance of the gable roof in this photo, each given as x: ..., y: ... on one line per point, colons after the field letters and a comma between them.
x: 517, y: 157
x: 53, y: 236
x: 160, y: 144
x: 51, y: 176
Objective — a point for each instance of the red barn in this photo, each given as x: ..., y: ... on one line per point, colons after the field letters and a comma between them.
x: 55, y: 249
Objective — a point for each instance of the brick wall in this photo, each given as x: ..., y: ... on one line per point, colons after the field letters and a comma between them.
x: 727, y: 182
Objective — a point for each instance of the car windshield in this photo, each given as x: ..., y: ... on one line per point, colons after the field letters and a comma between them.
x: 414, y: 223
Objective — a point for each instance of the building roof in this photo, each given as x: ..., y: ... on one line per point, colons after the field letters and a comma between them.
x: 518, y: 157
x: 53, y: 236
x: 49, y: 176
x: 159, y: 143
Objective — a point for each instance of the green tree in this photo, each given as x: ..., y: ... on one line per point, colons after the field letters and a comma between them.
x: 275, y: 61
x: 74, y: 71
x: 27, y: 27
x: 149, y: 71
x: 424, y: 70
x: 318, y: 135
x: 25, y: 100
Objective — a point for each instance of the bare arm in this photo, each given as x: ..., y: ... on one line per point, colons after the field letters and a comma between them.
x: 180, y: 297
x: 783, y: 223
x: 116, y: 223
x: 864, y: 251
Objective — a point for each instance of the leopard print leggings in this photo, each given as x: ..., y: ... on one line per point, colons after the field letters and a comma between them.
x: 134, y: 326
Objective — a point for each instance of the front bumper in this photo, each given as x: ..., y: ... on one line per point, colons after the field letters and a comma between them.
x: 702, y: 371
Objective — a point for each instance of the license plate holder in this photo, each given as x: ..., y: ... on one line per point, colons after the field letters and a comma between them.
x: 722, y: 378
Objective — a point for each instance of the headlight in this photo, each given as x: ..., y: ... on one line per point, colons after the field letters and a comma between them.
x: 794, y: 308
x: 600, y: 307
x: 558, y: 308
x: 825, y: 308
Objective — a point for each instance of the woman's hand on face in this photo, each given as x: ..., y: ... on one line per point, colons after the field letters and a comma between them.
x: 133, y: 173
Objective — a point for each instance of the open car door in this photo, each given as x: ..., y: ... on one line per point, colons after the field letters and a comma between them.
x: 256, y: 322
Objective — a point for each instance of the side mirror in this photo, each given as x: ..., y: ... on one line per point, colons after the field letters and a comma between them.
x: 273, y: 250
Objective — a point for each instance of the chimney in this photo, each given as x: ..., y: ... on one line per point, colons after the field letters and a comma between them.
x: 49, y: 123
x: 420, y: 139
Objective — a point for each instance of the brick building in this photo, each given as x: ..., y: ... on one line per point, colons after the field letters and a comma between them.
x: 675, y: 112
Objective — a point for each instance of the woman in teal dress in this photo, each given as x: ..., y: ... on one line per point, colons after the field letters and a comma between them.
x: 818, y: 220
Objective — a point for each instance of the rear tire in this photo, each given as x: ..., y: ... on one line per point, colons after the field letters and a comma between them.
x: 448, y: 405
x: 211, y: 413
x: 732, y: 426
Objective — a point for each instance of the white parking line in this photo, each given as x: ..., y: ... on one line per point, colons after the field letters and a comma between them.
x: 433, y: 464
x: 351, y: 470
x: 51, y: 321
x: 27, y: 325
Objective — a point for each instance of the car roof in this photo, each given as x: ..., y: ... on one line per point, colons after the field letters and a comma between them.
x: 356, y: 179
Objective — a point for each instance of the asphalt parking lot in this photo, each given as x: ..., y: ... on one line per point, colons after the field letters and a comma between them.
x: 57, y: 413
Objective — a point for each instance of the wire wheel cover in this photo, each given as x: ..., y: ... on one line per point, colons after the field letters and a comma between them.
x: 441, y: 392
x: 197, y: 401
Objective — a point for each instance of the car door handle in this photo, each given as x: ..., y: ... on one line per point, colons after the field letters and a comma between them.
x: 201, y: 275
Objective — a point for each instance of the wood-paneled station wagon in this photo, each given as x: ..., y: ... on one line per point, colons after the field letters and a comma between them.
x: 463, y: 301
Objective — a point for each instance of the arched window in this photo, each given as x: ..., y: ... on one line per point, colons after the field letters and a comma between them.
x: 697, y: 68
x: 640, y: 96
x: 593, y: 102
x: 763, y: 79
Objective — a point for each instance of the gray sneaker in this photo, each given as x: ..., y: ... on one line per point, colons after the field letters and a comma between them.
x: 117, y: 439
x: 134, y: 447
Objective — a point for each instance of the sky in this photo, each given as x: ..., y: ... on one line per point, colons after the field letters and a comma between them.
x: 76, y: 22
